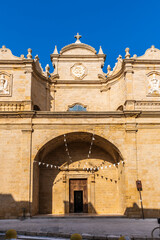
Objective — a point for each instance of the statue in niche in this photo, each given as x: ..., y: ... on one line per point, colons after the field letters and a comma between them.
x: 154, y: 85
x: 3, y: 85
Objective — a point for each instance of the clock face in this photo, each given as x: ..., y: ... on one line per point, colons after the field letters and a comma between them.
x: 78, y: 71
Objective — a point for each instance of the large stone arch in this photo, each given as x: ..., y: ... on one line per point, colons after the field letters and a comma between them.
x: 103, y: 171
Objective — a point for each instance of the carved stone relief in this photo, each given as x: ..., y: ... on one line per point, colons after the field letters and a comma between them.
x: 5, y: 84
x: 153, y: 84
x: 78, y: 71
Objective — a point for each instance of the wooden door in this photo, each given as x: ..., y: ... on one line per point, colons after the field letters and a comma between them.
x: 78, y: 196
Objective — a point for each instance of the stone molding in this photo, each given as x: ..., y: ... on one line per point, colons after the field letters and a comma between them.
x: 131, y: 127
x: 73, y: 46
x: 15, y: 105
x: 142, y: 105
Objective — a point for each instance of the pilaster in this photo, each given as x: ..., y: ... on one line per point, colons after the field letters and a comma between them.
x: 26, y: 169
x: 128, y: 75
x: 131, y: 169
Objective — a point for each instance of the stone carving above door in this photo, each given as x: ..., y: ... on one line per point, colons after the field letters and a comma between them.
x: 78, y: 71
x: 5, y: 84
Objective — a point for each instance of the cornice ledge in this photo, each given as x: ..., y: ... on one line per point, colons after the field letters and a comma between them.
x: 17, y: 114
x: 17, y: 61
x: 109, y: 114
x: 132, y: 113
x: 116, y: 114
x: 96, y: 56
x: 137, y: 61
x: 129, y: 60
x: 78, y: 82
x: 150, y: 114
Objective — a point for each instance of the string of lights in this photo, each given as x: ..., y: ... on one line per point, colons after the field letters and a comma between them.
x: 66, y: 148
x: 85, y: 168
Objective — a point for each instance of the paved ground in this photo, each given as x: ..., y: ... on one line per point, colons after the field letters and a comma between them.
x: 88, y: 226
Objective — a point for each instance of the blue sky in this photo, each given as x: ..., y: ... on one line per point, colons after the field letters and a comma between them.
x: 113, y: 24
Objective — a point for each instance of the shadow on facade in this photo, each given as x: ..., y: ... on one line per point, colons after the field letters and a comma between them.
x: 12, y: 208
x: 90, y: 208
x: 135, y: 211
x: 15, y: 209
x: 46, y: 179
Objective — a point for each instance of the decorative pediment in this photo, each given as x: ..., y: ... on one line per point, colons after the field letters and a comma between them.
x: 78, y: 49
x: 78, y: 60
x: 151, y: 53
x: 6, y: 54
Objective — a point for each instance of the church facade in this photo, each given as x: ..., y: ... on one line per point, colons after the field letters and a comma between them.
x: 77, y: 140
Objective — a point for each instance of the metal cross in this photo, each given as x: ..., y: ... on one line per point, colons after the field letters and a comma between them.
x: 78, y: 37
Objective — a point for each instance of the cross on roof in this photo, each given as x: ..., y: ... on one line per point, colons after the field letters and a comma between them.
x: 78, y: 37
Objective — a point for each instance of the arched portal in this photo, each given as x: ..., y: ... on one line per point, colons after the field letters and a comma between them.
x: 78, y: 172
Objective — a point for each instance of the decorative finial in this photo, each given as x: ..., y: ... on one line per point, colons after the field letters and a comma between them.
x: 37, y: 58
x: 153, y: 48
x: 22, y: 56
x: 119, y: 58
x: 29, y: 55
x: 135, y: 55
x: 3, y: 46
x: 55, y: 50
x: 108, y: 69
x: 47, y: 70
x: 127, y: 53
x: 78, y: 37
x: 100, y: 50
